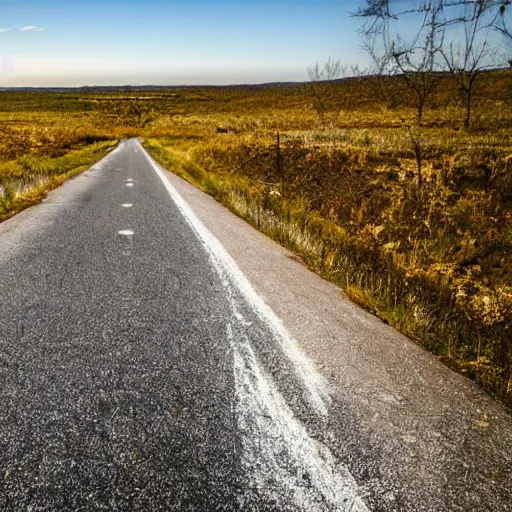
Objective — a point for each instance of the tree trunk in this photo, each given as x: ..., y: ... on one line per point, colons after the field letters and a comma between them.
x: 467, y: 120
x: 420, y: 112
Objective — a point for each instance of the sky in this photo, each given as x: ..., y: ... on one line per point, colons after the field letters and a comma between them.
x: 113, y: 42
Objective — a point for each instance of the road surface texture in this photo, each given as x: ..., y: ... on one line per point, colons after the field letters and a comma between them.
x: 157, y: 353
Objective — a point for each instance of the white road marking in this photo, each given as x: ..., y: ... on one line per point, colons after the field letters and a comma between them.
x: 126, y: 232
x: 129, y: 184
x: 127, y: 205
x: 129, y: 180
x: 277, y: 449
x: 318, y: 393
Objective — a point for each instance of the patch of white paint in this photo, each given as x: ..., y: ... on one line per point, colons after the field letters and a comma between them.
x: 127, y: 205
x: 126, y: 232
x: 287, y: 465
x: 129, y: 180
x: 129, y: 184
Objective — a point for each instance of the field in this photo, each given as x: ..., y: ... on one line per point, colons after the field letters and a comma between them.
x: 338, y: 186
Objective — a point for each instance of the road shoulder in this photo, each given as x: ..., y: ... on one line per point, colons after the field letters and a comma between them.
x: 427, y: 422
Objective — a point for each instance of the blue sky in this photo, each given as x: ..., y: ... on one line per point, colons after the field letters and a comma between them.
x: 72, y: 43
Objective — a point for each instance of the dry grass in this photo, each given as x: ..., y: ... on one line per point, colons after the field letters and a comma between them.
x: 436, y: 262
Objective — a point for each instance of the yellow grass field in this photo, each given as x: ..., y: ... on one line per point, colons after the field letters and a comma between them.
x: 434, y: 261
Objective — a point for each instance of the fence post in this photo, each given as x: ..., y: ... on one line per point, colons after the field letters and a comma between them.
x: 280, y: 165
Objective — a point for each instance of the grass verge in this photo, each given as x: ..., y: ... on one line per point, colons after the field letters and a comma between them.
x: 27, y: 181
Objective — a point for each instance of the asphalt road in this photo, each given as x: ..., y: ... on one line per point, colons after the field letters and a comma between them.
x: 142, y: 367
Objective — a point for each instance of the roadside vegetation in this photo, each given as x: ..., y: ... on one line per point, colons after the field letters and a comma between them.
x: 41, y: 147
x: 435, y: 261
x: 397, y: 186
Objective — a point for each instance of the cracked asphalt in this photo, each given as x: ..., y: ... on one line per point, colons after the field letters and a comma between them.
x: 137, y: 374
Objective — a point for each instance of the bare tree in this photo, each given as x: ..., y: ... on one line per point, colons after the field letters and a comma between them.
x: 502, y: 22
x: 414, y: 61
x: 324, y: 95
x: 473, y: 53
x: 379, y: 72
